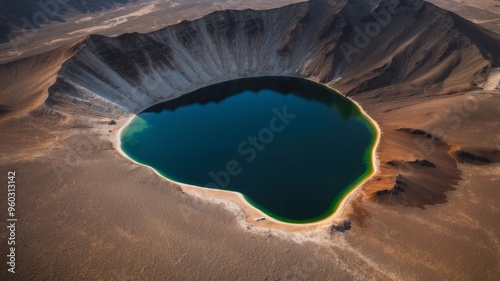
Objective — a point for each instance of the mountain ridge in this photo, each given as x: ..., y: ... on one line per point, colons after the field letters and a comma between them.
x: 324, y: 48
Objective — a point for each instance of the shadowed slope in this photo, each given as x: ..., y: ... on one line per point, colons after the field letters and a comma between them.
x: 420, y: 47
x: 24, y: 84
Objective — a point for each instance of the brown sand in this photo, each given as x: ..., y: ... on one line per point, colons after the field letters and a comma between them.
x: 110, y: 219
x: 483, y: 12
x: 88, y: 213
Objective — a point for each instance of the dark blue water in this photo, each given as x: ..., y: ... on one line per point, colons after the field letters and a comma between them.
x: 292, y: 147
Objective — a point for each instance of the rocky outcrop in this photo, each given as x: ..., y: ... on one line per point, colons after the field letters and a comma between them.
x: 342, y: 227
x: 354, y: 46
x: 476, y: 156
x: 418, y: 132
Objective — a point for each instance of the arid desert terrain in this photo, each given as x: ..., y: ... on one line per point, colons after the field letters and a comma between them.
x: 427, y: 73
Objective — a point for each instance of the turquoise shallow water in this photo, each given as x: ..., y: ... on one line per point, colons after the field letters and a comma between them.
x: 292, y: 147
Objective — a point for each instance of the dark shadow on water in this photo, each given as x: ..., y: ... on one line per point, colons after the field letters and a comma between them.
x: 283, y: 85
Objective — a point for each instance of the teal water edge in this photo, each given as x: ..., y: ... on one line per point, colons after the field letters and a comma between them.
x: 292, y: 147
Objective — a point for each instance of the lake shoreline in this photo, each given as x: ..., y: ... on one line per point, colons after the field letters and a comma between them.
x: 253, y: 213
